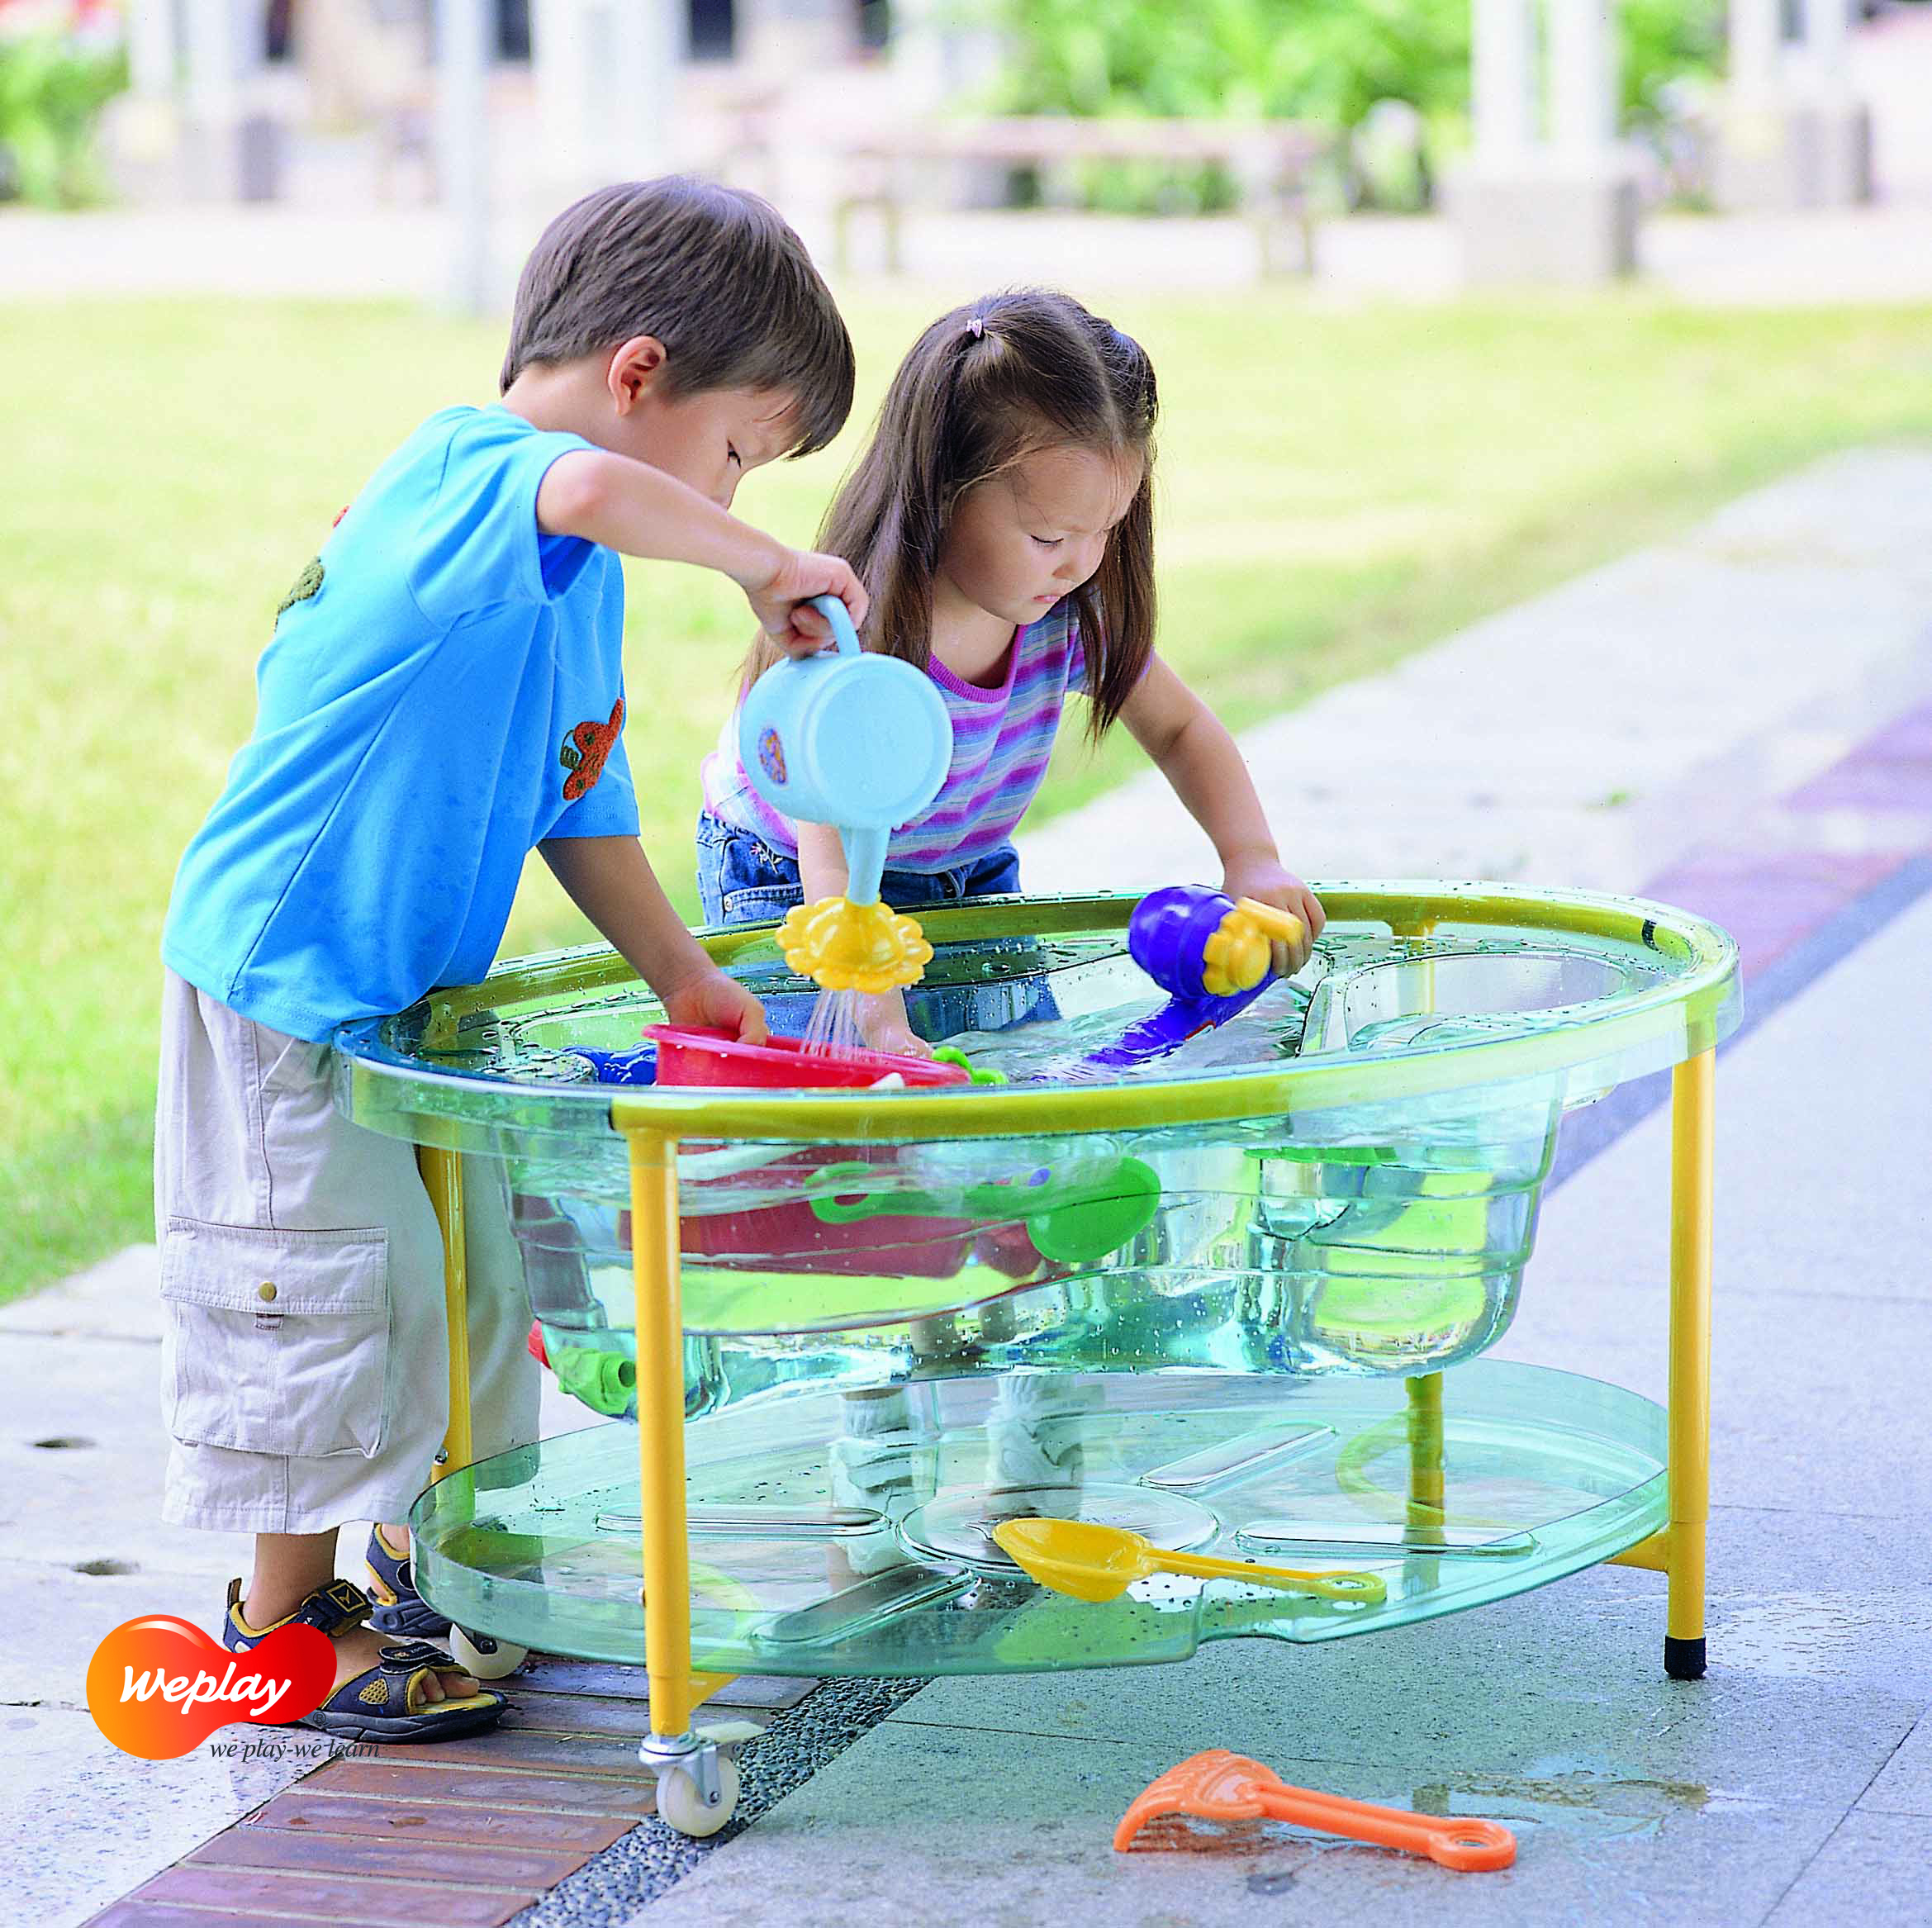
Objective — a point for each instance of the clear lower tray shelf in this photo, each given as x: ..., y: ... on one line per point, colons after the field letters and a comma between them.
x: 850, y: 1531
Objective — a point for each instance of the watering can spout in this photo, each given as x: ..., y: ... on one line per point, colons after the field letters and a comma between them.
x: 865, y: 862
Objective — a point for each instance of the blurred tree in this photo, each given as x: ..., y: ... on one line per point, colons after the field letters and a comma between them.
x: 61, y: 61
x: 1325, y: 60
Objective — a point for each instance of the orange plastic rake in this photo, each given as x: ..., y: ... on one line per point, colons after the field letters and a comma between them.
x: 1220, y: 1786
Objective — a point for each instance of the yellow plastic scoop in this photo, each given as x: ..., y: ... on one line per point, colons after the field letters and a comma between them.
x: 844, y: 946
x: 1099, y: 1563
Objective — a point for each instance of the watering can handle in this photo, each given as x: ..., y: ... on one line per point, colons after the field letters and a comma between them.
x: 844, y: 637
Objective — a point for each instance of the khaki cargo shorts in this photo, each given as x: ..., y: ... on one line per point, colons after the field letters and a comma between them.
x: 305, y: 1355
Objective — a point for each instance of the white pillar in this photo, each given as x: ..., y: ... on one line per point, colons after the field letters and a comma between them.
x: 606, y: 84
x: 792, y: 38
x: 153, y: 47
x: 918, y: 53
x: 1502, y: 83
x: 214, y: 62
x: 1827, y: 55
x: 1757, y: 48
x: 1583, y: 83
x: 1551, y: 199
x: 463, y: 111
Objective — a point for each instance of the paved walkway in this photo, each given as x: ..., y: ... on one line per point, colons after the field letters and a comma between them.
x: 1596, y: 735
x: 1794, y: 629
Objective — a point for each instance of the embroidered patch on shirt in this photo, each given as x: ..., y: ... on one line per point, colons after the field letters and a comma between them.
x: 584, y: 753
x: 304, y: 586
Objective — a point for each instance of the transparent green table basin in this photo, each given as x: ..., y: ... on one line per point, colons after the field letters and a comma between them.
x: 850, y: 1533
x: 1291, y: 1227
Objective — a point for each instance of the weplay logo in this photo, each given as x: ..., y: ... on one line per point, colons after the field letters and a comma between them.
x: 158, y: 1687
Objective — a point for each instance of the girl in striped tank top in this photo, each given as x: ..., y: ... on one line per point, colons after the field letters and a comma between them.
x: 1002, y: 521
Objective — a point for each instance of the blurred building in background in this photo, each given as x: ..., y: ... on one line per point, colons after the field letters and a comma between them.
x: 301, y: 100
x: 1531, y: 138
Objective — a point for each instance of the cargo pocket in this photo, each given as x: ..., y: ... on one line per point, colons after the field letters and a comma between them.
x: 276, y: 1342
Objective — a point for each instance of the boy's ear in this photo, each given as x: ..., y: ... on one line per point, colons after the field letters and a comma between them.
x: 634, y: 366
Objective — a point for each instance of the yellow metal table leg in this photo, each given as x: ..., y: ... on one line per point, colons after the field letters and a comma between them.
x: 1692, y: 1098
x: 442, y: 1177
x: 660, y: 1330
x: 1428, y: 1501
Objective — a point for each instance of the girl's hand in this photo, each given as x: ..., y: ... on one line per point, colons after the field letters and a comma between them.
x: 780, y: 598
x: 883, y: 1026
x: 714, y: 999
x: 1263, y: 879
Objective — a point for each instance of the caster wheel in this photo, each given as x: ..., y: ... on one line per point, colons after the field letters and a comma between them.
x: 679, y: 1806
x: 487, y: 1659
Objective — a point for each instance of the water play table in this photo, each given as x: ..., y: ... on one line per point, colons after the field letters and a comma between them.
x: 1239, y: 1306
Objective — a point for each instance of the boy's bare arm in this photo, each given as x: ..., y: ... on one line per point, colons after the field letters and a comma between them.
x: 643, y: 511
x: 610, y: 880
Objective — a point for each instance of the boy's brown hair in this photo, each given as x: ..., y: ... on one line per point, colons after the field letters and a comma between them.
x: 712, y: 272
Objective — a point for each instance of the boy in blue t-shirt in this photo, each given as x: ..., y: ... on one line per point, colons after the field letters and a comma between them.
x: 444, y: 693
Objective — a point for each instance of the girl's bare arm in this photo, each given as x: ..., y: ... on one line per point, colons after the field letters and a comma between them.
x: 1192, y: 750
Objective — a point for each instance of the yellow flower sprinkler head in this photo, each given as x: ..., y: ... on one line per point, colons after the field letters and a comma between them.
x: 844, y: 946
x: 1237, y: 957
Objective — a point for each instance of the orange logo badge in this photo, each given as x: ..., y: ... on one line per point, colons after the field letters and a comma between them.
x: 158, y: 1687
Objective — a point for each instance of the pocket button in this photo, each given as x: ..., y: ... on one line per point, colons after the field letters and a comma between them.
x: 266, y: 1289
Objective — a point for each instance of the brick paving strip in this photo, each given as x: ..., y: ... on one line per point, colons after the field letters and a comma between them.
x: 1798, y: 883
x: 454, y: 1834
x: 1830, y: 841
x: 469, y: 1834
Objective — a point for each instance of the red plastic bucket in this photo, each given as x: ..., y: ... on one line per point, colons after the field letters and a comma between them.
x: 688, y: 1055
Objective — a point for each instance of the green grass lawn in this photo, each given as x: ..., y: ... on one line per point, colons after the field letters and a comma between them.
x: 1336, y: 489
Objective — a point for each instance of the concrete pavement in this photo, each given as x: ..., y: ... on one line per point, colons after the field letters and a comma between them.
x: 1594, y: 735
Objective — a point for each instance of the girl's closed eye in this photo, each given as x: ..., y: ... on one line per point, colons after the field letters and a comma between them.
x: 1049, y: 542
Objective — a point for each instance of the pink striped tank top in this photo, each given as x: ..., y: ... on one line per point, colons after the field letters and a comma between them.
x: 1002, y: 740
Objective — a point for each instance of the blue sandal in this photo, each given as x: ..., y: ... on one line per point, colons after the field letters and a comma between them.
x: 395, y: 1606
x: 382, y: 1703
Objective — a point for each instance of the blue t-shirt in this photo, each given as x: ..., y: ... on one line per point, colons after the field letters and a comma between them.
x: 444, y: 691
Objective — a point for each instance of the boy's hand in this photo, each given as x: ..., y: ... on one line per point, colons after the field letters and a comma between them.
x: 1263, y: 879
x: 714, y: 999
x: 781, y: 599
x: 883, y: 1026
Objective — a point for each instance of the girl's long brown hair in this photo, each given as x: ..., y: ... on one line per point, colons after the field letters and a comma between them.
x: 995, y: 380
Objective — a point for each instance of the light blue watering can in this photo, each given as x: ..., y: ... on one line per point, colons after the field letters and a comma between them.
x: 856, y: 740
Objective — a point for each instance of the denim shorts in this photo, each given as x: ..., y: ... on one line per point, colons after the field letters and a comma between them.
x: 741, y: 879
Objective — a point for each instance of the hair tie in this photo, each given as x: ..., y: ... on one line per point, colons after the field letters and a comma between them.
x: 976, y: 327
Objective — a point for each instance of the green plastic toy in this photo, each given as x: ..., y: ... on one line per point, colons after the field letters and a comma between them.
x: 1073, y: 1221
